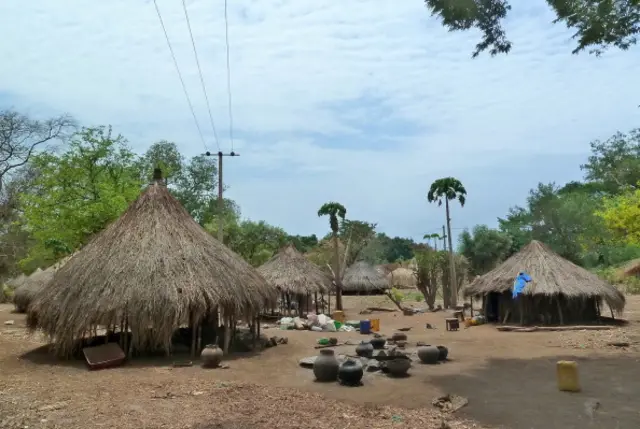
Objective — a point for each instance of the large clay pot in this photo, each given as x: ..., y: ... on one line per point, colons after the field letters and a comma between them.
x: 350, y: 372
x: 325, y: 367
x: 429, y: 354
x: 364, y: 349
x: 444, y: 352
x: 399, y: 336
x: 211, y: 356
x: 399, y: 366
x: 378, y: 342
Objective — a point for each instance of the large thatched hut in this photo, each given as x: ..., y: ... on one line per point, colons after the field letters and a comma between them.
x: 362, y: 277
x: 560, y: 291
x: 403, y: 278
x: 297, y: 278
x: 147, y: 274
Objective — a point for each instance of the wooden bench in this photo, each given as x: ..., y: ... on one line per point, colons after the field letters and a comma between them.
x: 459, y: 314
x: 453, y: 324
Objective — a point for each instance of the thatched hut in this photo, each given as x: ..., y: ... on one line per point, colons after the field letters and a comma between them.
x: 148, y: 273
x: 630, y: 269
x: 296, y: 277
x: 560, y: 291
x: 26, y: 289
x: 362, y: 277
x: 33, y: 284
x: 403, y: 278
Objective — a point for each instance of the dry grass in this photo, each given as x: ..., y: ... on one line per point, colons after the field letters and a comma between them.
x: 155, y: 267
x: 292, y: 273
x: 551, y: 275
x: 363, y: 277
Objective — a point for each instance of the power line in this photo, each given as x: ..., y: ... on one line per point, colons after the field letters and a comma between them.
x: 204, y: 88
x: 226, y: 31
x: 184, y: 87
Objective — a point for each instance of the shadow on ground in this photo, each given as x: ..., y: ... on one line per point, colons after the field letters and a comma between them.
x: 523, y: 394
x: 42, y: 356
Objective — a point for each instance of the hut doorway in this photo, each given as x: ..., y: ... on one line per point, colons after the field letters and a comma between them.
x: 492, y: 307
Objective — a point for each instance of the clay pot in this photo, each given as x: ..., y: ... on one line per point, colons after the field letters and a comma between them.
x: 398, y: 366
x: 350, y: 372
x: 429, y: 354
x: 211, y: 356
x: 325, y: 367
x: 364, y: 349
x: 333, y: 341
x: 444, y: 352
x: 378, y: 343
x: 399, y: 336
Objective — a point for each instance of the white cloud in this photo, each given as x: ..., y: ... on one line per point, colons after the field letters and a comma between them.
x: 294, y: 66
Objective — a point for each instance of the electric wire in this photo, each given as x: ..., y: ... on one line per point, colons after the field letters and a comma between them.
x: 226, y: 30
x: 184, y: 87
x: 204, y: 88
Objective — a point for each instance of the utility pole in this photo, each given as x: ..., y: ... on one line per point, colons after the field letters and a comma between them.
x: 220, y: 191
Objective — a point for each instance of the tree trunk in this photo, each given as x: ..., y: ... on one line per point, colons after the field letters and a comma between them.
x: 337, y: 276
x: 452, y: 266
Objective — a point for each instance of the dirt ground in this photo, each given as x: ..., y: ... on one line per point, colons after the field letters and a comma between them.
x: 508, y: 378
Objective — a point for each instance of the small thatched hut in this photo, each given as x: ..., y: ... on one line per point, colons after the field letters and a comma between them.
x: 631, y: 268
x: 362, y: 277
x: 296, y: 277
x: 403, y: 278
x: 149, y: 272
x: 33, y: 284
x: 560, y: 291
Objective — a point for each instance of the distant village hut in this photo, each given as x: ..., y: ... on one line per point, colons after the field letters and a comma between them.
x: 403, y: 278
x: 560, y: 291
x: 147, y: 274
x: 363, y: 278
x: 297, y: 278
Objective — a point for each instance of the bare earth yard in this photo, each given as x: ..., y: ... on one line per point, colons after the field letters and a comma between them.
x: 508, y: 378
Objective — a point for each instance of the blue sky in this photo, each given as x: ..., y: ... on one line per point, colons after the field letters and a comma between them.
x: 364, y: 102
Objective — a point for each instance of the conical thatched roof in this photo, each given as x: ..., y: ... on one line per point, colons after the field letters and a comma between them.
x: 154, y: 266
x: 631, y: 268
x: 363, y: 277
x: 403, y: 278
x: 291, y: 272
x: 550, y: 273
x: 32, y: 285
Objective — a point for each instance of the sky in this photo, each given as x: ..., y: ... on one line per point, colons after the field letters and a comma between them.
x: 364, y: 102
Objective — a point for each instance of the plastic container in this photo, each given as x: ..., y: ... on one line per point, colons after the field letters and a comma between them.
x: 339, y: 316
x: 337, y: 324
x: 375, y: 325
x: 567, y: 375
x: 365, y: 327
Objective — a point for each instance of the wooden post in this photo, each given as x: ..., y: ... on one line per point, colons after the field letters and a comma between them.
x: 315, y: 298
x: 559, y: 310
x: 192, y: 324
x: 227, y: 332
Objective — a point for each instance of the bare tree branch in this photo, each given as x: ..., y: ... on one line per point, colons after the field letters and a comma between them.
x: 21, y: 136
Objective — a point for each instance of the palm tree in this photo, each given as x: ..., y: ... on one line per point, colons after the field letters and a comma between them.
x: 448, y: 189
x: 435, y: 237
x: 334, y: 211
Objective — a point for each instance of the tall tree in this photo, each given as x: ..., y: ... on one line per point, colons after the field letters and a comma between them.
x: 166, y: 156
x: 598, y: 24
x: 78, y: 192
x: 448, y: 189
x: 356, y: 235
x: 21, y: 137
x: 335, y: 212
x: 484, y: 248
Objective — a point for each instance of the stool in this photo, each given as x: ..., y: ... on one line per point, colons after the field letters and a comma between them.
x: 459, y: 315
x: 453, y: 324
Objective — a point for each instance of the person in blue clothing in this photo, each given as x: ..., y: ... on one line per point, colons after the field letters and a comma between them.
x: 520, y: 283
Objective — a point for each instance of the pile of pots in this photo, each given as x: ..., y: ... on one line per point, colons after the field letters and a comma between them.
x: 326, y: 368
x: 432, y: 355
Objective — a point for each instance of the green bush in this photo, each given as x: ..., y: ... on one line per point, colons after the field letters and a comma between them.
x: 6, y: 295
x: 627, y: 284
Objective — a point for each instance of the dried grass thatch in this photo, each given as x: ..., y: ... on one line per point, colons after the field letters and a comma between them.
x: 362, y: 277
x: 151, y: 270
x: 33, y: 284
x: 403, y: 278
x: 388, y: 268
x: 551, y: 275
x: 292, y: 273
x: 631, y: 268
